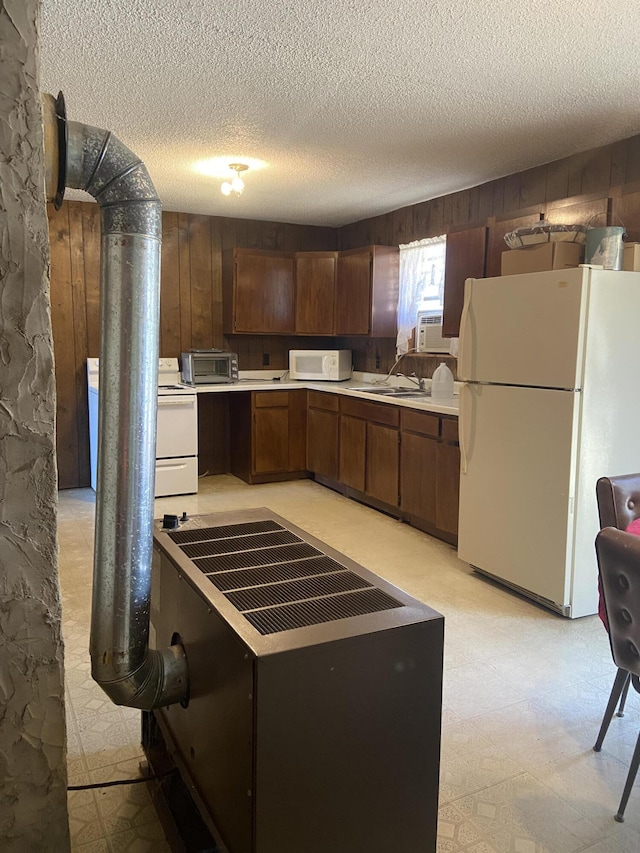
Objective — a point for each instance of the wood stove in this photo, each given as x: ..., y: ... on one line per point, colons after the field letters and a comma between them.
x: 315, y: 687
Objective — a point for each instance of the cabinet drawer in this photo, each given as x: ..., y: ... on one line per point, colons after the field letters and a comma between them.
x: 449, y: 430
x: 320, y: 400
x: 377, y: 412
x: 421, y: 423
x: 269, y: 399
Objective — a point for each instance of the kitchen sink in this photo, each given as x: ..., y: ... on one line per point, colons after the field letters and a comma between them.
x: 388, y: 391
x: 375, y: 389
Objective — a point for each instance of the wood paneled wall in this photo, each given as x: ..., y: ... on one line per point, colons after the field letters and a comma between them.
x: 608, y: 170
x: 190, y: 303
x: 74, y: 237
x: 570, y: 190
x: 192, y: 252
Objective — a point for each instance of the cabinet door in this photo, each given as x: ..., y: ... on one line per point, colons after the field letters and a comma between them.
x: 353, y: 293
x: 382, y: 463
x: 448, y: 489
x: 353, y: 442
x: 315, y: 289
x: 263, y: 292
x: 465, y: 258
x: 270, y: 440
x: 297, y: 430
x: 385, y: 279
x: 418, y: 473
x: 322, y: 443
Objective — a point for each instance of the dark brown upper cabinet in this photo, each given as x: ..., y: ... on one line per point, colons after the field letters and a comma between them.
x: 315, y: 292
x: 465, y: 258
x: 367, y: 291
x: 311, y: 293
x: 259, y: 293
x: 625, y: 210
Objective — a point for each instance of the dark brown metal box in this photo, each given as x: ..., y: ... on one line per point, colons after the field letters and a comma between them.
x: 313, y: 722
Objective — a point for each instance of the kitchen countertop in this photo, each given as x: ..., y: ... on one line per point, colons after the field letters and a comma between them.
x: 267, y: 381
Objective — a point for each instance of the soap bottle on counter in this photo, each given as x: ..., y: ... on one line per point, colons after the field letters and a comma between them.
x: 441, y: 383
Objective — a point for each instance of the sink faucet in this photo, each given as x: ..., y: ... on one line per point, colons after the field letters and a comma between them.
x: 418, y: 380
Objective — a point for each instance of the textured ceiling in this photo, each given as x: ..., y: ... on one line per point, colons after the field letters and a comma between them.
x: 354, y: 107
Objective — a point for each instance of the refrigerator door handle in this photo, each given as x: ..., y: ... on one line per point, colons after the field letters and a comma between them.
x: 463, y: 368
x: 464, y: 418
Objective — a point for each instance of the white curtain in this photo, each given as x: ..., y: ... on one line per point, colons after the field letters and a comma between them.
x: 416, y: 265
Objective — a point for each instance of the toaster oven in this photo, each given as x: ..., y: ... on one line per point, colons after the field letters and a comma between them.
x: 208, y: 367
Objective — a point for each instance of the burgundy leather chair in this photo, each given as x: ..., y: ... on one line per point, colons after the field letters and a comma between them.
x: 619, y: 569
x: 618, y: 505
x: 618, y: 500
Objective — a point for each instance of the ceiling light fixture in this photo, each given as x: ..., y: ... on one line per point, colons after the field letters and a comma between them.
x: 236, y: 185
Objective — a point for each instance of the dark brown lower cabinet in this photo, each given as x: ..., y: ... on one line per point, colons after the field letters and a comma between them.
x: 382, y: 463
x: 400, y: 460
x: 418, y: 476
x: 271, y: 439
x: 323, y: 421
x: 268, y: 435
x: 430, y: 473
x: 448, y: 478
x: 353, y: 452
x: 369, y: 440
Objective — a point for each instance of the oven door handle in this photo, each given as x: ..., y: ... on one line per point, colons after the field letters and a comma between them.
x: 171, y: 464
x: 176, y: 401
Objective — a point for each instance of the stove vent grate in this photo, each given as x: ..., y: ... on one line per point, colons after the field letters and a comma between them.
x: 276, y: 580
x: 260, y: 575
x: 224, y: 532
x: 284, y: 593
x: 261, y: 557
x: 239, y: 543
x: 318, y: 610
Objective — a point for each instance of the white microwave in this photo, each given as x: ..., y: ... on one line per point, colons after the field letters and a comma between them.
x: 429, y: 333
x: 320, y: 364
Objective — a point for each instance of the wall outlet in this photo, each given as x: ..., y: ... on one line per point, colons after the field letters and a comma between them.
x: 377, y: 361
x: 265, y: 359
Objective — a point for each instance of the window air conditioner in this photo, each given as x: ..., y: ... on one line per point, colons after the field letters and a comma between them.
x: 429, y: 332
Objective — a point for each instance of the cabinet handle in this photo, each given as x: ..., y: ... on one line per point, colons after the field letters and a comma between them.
x: 463, y: 372
x: 176, y: 402
x: 169, y: 465
x: 463, y: 419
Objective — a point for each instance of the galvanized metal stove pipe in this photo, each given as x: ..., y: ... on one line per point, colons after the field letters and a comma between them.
x: 131, y: 219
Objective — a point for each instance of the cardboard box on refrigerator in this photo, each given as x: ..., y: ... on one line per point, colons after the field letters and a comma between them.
x: 547, y: 256
x: 631, y: 257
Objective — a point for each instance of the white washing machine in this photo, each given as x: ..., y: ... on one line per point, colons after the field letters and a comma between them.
x: 177, y: 436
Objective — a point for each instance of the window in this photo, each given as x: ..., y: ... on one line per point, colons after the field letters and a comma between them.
x: 421, y: 283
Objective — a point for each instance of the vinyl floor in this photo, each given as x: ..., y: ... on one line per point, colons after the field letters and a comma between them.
x: 524, y: 692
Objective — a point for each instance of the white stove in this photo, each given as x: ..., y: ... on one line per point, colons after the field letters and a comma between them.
x: 177, y: 435
x: 169, y: 379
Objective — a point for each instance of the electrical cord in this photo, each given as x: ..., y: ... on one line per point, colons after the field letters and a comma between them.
x: 121, y: 781
x: 273, y: 378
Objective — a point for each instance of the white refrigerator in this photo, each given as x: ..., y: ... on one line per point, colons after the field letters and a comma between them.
x: 550, y: 401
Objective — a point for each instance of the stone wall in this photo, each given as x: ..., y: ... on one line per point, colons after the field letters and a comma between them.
x: 33, y: 810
